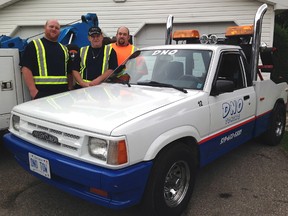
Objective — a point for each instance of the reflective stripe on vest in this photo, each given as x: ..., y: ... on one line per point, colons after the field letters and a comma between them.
x: 133, y: 49
x: 66, y: 53
x: 107, y: 51
x: 83, y: 56
x: 43, y: 77
x: 123, y: 71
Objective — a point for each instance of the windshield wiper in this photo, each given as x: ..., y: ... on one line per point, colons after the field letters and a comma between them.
x: 117, y: 80
x: 113, y: 78
x: 126, y: 83
x: 157, y: 84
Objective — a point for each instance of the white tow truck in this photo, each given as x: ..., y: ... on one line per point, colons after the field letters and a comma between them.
x: 140, y: 136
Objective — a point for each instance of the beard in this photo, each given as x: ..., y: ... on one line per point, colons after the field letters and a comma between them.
x: 52, y: 36
x: 121, y: 41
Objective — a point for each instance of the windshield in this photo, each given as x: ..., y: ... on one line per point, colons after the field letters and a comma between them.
x: 179, y: 68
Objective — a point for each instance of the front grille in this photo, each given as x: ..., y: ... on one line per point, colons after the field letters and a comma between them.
x: 32, y: 125
x: 43, y: 128
x: 69, y: 147
x: 66, y: 141
x: 72, y: 136
x: 55, y: 131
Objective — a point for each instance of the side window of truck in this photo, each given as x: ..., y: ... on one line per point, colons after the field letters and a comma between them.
x: 231, y: 68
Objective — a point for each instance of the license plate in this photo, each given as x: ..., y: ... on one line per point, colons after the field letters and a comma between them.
x: 39, y: 165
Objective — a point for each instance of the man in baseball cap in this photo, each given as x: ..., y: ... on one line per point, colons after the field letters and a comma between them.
x: 94, y: 30
x: 95, y: 62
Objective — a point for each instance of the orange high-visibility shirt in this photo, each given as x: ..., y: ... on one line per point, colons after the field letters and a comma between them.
x: 123, y: 52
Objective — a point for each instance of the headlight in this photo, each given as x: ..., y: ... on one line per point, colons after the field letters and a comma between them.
x: 16, y: 122
x: 98, y: 148
x: 113, y: 152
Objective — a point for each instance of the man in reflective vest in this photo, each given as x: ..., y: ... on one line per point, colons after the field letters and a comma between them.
x: 122, y: 46
x: 44, y: 63
x: 94, y: 63
x: 124, y: 49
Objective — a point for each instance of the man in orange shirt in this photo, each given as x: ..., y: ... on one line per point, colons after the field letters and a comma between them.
x: 122, y: 46
x: 123, y: 50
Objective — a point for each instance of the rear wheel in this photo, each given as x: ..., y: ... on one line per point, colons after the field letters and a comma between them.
x: 171, y: 181
x: 277, y: 128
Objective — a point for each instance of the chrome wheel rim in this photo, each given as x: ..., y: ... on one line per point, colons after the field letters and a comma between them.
x: 176, y: 183
x: 279, y: 125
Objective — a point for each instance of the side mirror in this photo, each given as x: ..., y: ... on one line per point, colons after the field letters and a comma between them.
x: 222, y: 86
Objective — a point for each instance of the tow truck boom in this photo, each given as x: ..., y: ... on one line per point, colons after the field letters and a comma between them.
x: 75, y: 33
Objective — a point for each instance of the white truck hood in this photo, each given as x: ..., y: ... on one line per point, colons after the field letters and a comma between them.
x: 101, y: 108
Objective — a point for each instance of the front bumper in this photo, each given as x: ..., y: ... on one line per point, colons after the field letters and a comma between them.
x: 124, y: 187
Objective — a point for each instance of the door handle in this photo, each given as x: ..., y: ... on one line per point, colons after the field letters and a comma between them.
x: 246, y: 97
x: 6, y: 86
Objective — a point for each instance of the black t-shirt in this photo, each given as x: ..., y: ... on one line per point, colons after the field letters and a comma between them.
x: 56, y: 65
x: 94, y: 62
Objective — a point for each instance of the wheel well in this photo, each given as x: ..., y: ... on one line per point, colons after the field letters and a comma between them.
x: 189, y: 142
x: 280, y: 100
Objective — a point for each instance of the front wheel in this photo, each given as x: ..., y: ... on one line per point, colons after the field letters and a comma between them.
x: 276, y: 130
x: 171, y: 181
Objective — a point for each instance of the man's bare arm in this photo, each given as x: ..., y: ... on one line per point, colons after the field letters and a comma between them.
x: 101, y: 78
x: 79, y: 79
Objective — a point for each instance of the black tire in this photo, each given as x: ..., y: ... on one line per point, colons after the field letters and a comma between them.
x: 276, y: 130
x: 171, y: 182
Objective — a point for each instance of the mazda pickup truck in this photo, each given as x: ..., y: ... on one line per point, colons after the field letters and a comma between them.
x: 141, y: 136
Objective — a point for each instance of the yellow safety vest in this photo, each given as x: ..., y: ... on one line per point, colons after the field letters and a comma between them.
x: 43, y: 77
x: 83, y: 56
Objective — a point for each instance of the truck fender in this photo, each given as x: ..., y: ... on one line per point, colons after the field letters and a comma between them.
x: 284, y: 95
x: 168, y: 137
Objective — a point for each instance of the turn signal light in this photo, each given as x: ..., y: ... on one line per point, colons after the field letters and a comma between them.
x: 99, y: 192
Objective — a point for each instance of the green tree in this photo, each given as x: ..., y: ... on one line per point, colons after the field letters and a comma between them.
x: 281, y: 45
x: 282, y: 19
